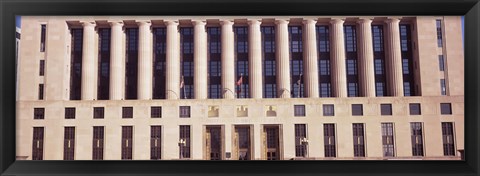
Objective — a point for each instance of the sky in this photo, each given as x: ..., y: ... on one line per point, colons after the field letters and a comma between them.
x: 17, y: 21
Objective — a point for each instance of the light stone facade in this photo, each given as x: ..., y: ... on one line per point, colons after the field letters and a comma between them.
x: 255, y: 111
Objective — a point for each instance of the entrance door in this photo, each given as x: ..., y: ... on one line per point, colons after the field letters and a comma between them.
x: 272, y: 142
x: 243, y: 142
x: 214, y: 142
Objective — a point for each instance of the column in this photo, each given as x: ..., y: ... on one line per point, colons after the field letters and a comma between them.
x: 337, y: 54
x: 310, y: 56
x: 283, y: 59
x: 145, y: 65
x: 255, y: 58
x: 394, y: 58
x: 116, y: 62
x: 200, y: 59
x: 365, y: 56
x: 173, y: 61
x: 88, y: 61
x: 228, y: 62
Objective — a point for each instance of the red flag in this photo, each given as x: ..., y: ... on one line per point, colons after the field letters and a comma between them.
x: 240, y: 80
x: 181, y: 83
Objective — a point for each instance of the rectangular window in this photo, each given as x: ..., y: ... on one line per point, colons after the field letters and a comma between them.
x: 407, y: 89
x: 156, y: 111
x: 299, y: 110
x: 241, y: 62
x: 131, y: 63
x: 380, y: 89
x: 329, y: 140
x: 296, y: 61
x: 353, y: 89
x: 407, y: 59
x: 357, y: 110
x: 127, y: 112
x: 386, y: 109
x: 186, y: 62
x: 448, y: 139
x: 76, y: 64
x: 388, y: 140
x: 269, y: 62
x: 328, y: 110
x: 159, y: 61
x: 43, y: 34
x: 103, y: 81
x: 42, y: 67
x: 184, y: 142
x: 38, y: 113
x: 441, y: 62
x: 98, y: 138
x: 155, y: 142
x: 69, y: 113
x: 98, y: 112
x: 358, y: 140
x: 127, y: 142
x: 417, y: 138
x: 323, y: 50
x: 37, y: 143
x: 325, y: 90
x: 214, y: 63
x: 69, y: 144
x: 184, y: 111
x: 300, y: 140
x: 443, y: 87
x: 415, y: 109
x: 40, y: 92
x: 439, y: 33
x: 446, y: 108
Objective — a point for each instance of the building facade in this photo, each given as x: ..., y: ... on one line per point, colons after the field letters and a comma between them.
x: 240, y: 88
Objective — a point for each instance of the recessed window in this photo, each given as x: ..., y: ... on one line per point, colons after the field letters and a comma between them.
x: 38, y: 113
x: 357, y: 109
x: 43, y: 34
x: 299, y: 110
x: 127, y: 112
x: 415, y: 109
x: 386, y: 109
x: 69, y: 113
x: 448, y: 139
x: 446, y: 108
x: 42, y: 67
x: 328, y: 110
x: 441, y: 63
x: 156, y: 111
x: 40, y: 91
x: 98, y: 112
x: 184, y: 111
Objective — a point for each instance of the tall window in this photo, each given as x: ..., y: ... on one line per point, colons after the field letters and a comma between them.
x: 448, y: 139
x: 269, y: 62
x: 159, y: 61
x: 443, y: 87
x: 417, y: 138
x: 155, y: 142
x: 103, y: 64
x: 42, y: 68
x: 296, y: 60
x: 379, y: 60
x: 185, y: 138
x: 43, y: 34
x: 300, y: 143
x: 214, y: 62
x: 186, y: 61
x: 441, y: 63
x: 407, y: 60
x: 439, y: 33
x: 37, y: 143
x: 358, y: 140
x: 69, y: 144
x: 131, y: 63
x: 351, y: 62
x: 98, y: 136
x: 388, y: 140
x: 329, y: 140
x: 323, y: 49
x: 241, y: 62
x: 127, y: 137
x: 76, y: 64
x: 40, y: 91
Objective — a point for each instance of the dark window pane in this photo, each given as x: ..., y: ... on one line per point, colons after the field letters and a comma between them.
x: 37, y: 143
x: 42, y: 67
x: 386, y: 109
x: 415, y: 109
x: 38, y: 113
x: 299, y: 110
x: 69, y: 113
x: 446, y: 108
x: 358, y: 140
x: 156, y: 111
x: 328, y: 110
x: 448, y: 139
x: 127, y: 142
x: 184, y: 111
x: 40, y: 91
x: 98, y: 143
x: 329, y: 140
x: 155, y: 142
x: 417, y: 138
x: 127, y: 112
x: 357, y: 109
x: 184, y: 143
x: 43, y: 34
x: 69, y: 144
x: 98, y: 112
x: 300, y: 140
x: 388, y: 140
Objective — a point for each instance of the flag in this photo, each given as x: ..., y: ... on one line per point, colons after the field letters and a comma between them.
x: 299, y: 81
x: 181, y: 83
x: 240, y: 80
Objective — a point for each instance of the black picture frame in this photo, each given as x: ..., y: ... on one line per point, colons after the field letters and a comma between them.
x: 10, y: 8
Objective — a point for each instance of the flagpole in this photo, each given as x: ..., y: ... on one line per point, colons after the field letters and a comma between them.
x: 241, y: 82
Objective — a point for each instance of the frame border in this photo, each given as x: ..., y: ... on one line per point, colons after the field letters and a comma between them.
x: 10, y: 8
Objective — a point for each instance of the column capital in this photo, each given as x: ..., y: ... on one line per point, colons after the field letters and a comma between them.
x: 393, y: 20
x: 226, y: 22
x: 199, y: 22
x: 88, y: 23
x: 116, y: 23
x: 171, y: 23
x: 309, y: 21
x: 281, y: 21
x: 364, y: 20
x: 254, y: 21
x: 337, y: 21
x: 144, y: 22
